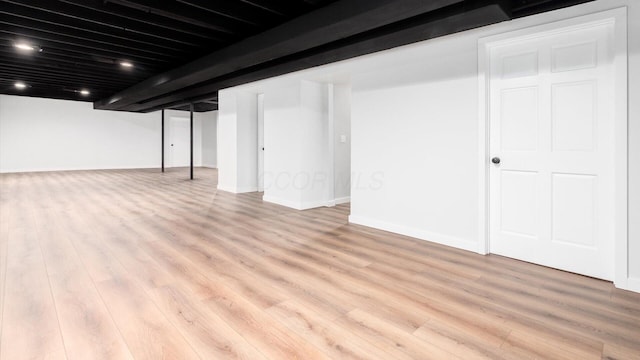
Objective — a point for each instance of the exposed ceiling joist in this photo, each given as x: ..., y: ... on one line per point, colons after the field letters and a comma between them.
x: 144, y: 55
x: 83, y: 31
x: 531, y: 7
x: 401, y: 34
x: 124, y: 51
x: 173, y: 10
x: 108, y: 46
x: 236, y: 11
x: 273, y: 6
x: 84, y: 18
x: 333, y: 22
x: 152, y: 22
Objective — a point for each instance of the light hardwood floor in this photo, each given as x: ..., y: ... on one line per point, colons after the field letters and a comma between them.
x: 135, y: 264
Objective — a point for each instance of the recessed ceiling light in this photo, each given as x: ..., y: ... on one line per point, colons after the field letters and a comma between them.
x: 24, y: 46
x: 20, y: 85
x: 84, y: 92
x: 126, y: 64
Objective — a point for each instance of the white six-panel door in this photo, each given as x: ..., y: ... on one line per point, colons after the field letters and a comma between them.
x: 552, y: 127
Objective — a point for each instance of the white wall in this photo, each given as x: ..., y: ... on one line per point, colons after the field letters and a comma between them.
x: 227, y: 142
x: 44, y: 134
x: 282, y: 143
x: 414, y: 146
x: 315, y: 180
x: 209, y: 121
x: 237, y: 143
x: 247, y: 142
x: 342, y: 150
x: 39, y: 134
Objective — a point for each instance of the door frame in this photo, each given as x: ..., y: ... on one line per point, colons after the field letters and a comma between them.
x: 618, y: 18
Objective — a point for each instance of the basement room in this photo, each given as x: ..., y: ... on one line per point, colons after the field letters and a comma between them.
x: 320, y: 179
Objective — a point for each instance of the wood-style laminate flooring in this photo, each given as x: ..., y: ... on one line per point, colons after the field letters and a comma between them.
x: 137, y: 264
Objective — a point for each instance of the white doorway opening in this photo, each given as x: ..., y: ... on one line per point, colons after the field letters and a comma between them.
x: 260, y: 143
x: 179, y: 142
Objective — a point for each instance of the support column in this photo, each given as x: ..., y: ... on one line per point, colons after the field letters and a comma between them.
x: 191, y: 140
x: 162, y: 142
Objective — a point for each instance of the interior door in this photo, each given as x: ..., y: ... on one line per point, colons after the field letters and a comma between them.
x: 551, y: 143
x: 261, y: 142
x: 180, y: 142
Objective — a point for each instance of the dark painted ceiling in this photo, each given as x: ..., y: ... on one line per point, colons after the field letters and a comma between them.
x: 184, y: 51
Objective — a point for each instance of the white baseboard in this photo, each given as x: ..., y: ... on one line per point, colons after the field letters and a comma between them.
x: 283, y: 202
x: 240, y: 190
x: 237, y: 190
x: 302, y: 205
x: 9, y: 171
x: 633, y: 284
x: 416, y: 233
x: 224, y: 188
x: 330, y: 203
x: 342, y: 200
x: 316, y: 204
x: 182, y: 166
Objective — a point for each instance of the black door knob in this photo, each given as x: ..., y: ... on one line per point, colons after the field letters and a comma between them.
x: 495, y: 160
